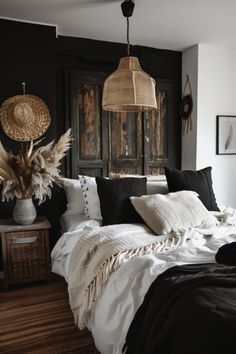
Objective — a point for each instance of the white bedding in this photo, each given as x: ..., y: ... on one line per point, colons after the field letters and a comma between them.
x: 61, y: 253
x: 125, y: 289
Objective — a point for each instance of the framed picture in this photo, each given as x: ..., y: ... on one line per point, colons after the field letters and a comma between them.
x: 226, y: 135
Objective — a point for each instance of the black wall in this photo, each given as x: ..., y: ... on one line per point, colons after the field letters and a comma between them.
x: 28, y: 53
x: 32, y: 53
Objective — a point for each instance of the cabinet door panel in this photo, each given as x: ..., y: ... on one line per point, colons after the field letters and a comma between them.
x: 157, y: 121
x: 161, y: 131
x: 88, y: 121
x: 125, y: 143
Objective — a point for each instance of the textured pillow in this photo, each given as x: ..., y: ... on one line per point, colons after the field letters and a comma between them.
x: 155, y: 184
x: 114, y: 196
x: 74, y: 195
x: 91, y: 199
x: 198, y: 181
x: 173, y: 211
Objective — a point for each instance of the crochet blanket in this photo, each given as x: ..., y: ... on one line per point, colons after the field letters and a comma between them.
x: 100, y: 252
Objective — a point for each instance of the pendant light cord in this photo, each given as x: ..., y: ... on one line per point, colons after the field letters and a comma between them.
x: 128, y: 46
x: 23, y: 87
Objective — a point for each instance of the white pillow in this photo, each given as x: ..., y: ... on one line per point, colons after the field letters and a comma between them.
x: 75, y: 198
x: 91, y: 198
x: 173, y: 211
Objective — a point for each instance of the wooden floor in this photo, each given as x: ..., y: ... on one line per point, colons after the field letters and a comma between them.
x: 38, y: 319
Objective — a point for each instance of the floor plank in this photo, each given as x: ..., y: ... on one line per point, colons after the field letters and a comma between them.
x: 37, y: 319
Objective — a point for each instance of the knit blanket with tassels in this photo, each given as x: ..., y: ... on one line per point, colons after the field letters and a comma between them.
x: 100, y: 252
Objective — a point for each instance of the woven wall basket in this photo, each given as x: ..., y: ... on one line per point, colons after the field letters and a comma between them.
x: 24, y: 117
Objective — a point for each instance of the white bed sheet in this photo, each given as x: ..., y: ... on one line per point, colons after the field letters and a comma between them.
x: 60, y: 255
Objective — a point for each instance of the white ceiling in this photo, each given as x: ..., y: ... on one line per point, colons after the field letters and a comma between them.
x: 170, y: 24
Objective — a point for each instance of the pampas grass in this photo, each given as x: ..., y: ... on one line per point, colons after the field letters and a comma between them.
x: 32, y: 172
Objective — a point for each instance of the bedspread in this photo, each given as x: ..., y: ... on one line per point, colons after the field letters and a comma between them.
x: 187, y: 309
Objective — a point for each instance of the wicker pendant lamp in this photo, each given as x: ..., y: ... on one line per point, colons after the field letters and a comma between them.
x: 129, y: 88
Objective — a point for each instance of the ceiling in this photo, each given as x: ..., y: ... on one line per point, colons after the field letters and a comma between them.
x: 166, y: 24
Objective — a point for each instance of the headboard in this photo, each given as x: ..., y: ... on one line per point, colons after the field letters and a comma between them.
x: 109, y: 142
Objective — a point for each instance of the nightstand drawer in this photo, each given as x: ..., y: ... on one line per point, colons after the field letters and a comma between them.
x: 28, y: 245
x: 27, y: 270
x: 26, y: 254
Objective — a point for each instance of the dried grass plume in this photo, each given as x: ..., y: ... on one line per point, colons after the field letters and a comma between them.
x: 32, y: 172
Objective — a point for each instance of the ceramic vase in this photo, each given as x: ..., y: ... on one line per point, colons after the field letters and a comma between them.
x: 24, y: 212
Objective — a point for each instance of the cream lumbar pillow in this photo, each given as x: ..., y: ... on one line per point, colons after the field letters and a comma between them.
x: 74, y: 195
x: 91, y: 198
x: 173, y: 212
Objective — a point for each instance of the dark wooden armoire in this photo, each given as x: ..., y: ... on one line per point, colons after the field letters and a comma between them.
x: 108, y: 142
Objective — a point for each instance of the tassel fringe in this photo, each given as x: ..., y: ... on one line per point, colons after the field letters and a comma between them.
x: 111, y: 264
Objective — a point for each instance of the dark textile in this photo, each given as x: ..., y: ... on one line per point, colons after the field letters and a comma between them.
x: 114, y: 196
x: 188, y: 309
x: 198, y: 181
x: 226, y: 254
x: 53, y: 209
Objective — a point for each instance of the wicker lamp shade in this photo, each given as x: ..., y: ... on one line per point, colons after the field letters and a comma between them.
x: 129, y: 88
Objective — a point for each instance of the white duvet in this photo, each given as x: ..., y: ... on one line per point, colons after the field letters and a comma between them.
x: 126, y: 287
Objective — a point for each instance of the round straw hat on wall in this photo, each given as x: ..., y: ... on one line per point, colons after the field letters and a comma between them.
x: 24, y: 117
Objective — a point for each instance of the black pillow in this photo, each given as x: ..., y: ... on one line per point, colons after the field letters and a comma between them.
x: 226, y: 254
x: 198, y: 181
x: 114, y: 196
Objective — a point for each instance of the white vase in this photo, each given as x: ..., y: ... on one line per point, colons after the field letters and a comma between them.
x: 24, y: 212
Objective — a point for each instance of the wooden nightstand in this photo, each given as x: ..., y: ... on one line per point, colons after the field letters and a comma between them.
x: 25, y: 250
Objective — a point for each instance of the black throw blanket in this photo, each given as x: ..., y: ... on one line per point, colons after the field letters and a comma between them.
x: 189, y: 309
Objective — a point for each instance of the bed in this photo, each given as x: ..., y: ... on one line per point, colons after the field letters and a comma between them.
x: 148, y: 287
